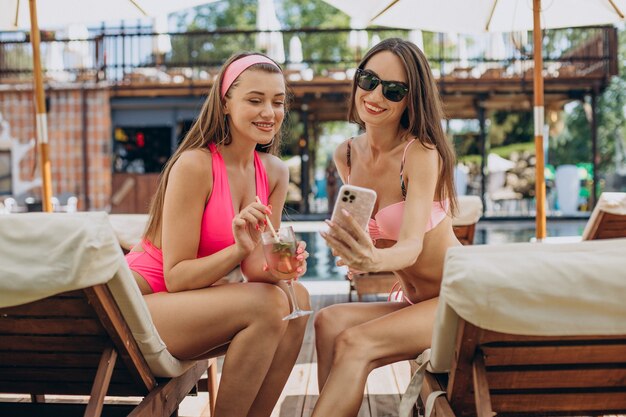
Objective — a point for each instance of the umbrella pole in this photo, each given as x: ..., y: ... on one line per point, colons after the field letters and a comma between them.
x: 40, y: 109
x: 540, y: 183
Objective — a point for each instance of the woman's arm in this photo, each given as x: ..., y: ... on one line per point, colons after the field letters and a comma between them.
x: 354, y: 246
x: 188, y: 189
x: 278, y: 177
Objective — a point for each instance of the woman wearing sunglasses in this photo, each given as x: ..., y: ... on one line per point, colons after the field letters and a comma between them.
x: 404, y: 156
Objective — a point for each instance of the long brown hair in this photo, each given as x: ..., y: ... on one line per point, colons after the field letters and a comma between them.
x: 211, y: 126
x: 424, y: 112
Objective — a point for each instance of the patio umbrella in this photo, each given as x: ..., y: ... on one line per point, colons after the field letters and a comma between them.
x: 269, y: 42
x: 22, y: 14
x: 467, y: 16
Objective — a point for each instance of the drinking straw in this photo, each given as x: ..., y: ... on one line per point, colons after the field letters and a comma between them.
x: 269, y: 222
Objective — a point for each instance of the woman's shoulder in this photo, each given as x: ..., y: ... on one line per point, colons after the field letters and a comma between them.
x: 417, y: 148
x: 341, y: 152
x: 420, y: 154
x: 274, y: 166
x: 194, y: 161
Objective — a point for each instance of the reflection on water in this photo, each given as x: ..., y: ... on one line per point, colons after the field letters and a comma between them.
x: 498, y: 232
x: 321, y: 263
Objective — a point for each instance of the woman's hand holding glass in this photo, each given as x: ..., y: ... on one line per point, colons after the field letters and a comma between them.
x: 351, y: 244
x: 286, y: 260
x: 248, y: 226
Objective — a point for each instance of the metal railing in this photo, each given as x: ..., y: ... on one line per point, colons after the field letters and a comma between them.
x: 132, y: 54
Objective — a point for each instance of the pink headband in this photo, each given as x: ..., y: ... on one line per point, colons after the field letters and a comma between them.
x: 235, y: 69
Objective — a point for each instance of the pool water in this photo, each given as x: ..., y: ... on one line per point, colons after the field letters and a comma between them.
x: 321, y: 263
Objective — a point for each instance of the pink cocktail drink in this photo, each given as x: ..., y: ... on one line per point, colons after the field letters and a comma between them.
x: 281, y: 256
x: 280, y: 248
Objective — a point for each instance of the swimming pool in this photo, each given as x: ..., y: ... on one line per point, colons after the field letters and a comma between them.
x: 321, y: 264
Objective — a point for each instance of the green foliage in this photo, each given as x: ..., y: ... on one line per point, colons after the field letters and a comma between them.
x: 327, y: 47
x: 573, y: 145
x: 510, y: 127
x: 521, y: 147
x: 212, y: 49
x: 503, y: 151
x: 311, y: 14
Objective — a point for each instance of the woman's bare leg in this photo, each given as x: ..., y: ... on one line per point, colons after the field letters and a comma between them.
x: 331, y: 321
x: 249, y: 316
x: 399, y: 335
x: 284, y: 358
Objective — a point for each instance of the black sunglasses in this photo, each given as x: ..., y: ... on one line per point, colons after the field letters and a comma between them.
x: 392, y: 90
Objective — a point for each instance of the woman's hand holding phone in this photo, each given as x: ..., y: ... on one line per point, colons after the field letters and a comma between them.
x: 347, y: 236
x: 351, y: 244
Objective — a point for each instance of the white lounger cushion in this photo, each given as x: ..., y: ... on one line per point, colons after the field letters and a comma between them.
x: 532, y: 289
x: 128, y: 228
x: 43, y: 254
x: 469, y: 211
x: 613, y: 203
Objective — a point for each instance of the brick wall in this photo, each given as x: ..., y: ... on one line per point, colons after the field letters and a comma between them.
x: 65, y: 133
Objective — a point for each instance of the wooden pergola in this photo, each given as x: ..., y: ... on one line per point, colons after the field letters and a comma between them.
x: 325, y: 99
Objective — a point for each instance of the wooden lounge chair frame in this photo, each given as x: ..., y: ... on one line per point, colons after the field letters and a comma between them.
x: 608, y: 220
x: 522, y: 375
x: 510, y: 374
x: 74, y: 323
x: 77, y: 343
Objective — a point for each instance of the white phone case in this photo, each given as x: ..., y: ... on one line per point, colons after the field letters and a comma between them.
x: 357, y: 201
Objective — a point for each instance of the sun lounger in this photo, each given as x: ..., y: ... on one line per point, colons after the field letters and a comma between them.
x: 128, y: 228
x: 608, y: 219
x: 464, y: 225
x: 527, y: 329
x: 73, y: 322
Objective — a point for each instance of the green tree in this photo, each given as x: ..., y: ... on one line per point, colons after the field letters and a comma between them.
x: 508, y: 127
x: 573, y: 145
x: 210, y: 49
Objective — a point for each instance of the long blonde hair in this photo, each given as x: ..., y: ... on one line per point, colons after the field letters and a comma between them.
x: 211, y: 126
x: 424, y: 112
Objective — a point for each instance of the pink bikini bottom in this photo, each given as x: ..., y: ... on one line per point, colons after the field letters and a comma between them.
x: 148, y: 264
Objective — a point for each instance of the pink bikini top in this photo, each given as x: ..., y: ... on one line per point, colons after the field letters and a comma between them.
x: 216, y: 231
x: 387, y: 222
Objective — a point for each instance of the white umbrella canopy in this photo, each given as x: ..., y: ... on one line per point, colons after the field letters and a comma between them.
x: 33, y: 15
x: 60, y: 13
x: 269, y: 42
x: 470, y: 16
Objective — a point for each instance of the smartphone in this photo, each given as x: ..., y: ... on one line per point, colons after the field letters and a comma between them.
x: 357, y: 201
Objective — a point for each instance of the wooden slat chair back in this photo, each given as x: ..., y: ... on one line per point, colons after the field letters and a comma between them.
x: 76, y: 341
x: 608, y: 219
x: 512, y: 374
x: 464, y: 226
x: 544, y: 332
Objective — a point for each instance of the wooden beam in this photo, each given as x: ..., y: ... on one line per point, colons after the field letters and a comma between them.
x: 113, y: 321
x: 101, y: 383
x: 164, y: 399
x: 481, y: 386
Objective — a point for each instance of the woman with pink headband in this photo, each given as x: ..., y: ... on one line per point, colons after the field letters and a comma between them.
x: 206, y: 220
